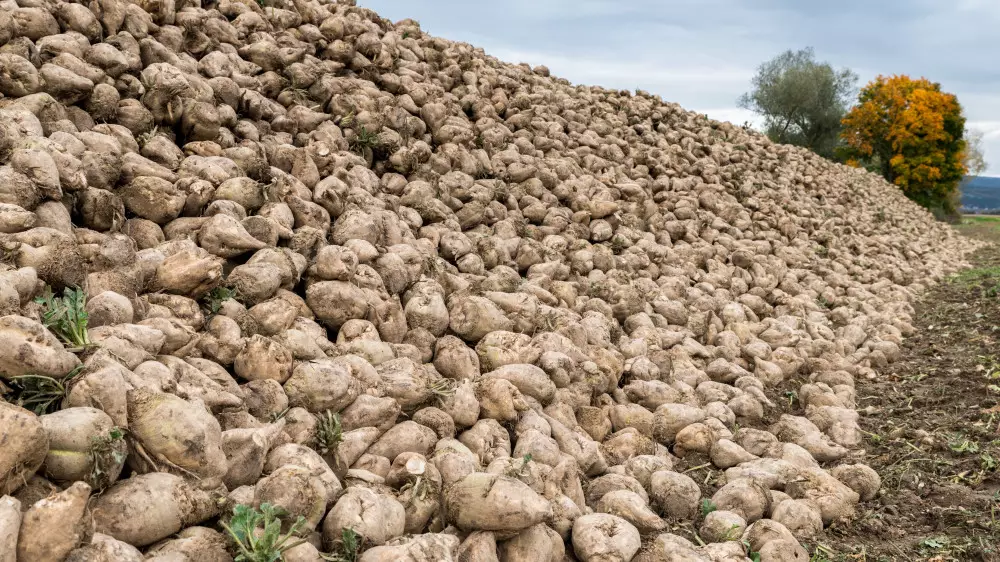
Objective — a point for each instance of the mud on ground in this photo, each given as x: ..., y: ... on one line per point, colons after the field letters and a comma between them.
x: 932, y: 429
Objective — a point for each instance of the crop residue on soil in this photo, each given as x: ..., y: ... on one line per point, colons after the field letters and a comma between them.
x: 932, y: 430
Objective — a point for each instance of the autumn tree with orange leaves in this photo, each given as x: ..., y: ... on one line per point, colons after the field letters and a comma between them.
x: 912, y: 133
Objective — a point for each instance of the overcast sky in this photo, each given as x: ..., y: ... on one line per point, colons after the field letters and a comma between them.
x: 702, y: 53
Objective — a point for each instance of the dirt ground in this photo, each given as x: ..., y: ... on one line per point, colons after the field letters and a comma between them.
x: 932, y: 429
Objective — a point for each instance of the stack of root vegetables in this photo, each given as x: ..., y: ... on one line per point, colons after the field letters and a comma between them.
x: 285, y: 280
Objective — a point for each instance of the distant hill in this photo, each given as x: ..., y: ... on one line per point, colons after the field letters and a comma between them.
x: 980, y: 193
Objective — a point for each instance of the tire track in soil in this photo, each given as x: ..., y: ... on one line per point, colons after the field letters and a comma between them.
x: 932, y: 431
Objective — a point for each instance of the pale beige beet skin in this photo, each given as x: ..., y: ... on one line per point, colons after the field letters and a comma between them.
x: 25, y: 444
x: 176, y: 435
x: 297, y: 491
x: 201, y: 543
x: 600, y: 537
x: 377, y: 517
x: 10, y: 524
x: 30, y: 349
x: 429, y: 546
x: 150, y: 507
x: 54, y: 526
x: 103, y: 548
x: 491, y: 502
x: 72, y: 433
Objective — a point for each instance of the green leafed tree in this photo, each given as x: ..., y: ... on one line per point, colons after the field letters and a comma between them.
x: 802, y: 100
x: 975, y: 163
x: 974, y: 158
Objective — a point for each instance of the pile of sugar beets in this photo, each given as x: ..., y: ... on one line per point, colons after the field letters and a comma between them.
x: 285, y: 280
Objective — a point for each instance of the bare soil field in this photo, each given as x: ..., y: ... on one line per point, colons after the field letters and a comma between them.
x: 932, y: 428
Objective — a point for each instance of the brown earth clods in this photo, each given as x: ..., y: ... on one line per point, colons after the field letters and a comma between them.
x: 932, y: 429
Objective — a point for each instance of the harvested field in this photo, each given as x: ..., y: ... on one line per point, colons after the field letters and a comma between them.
x: 288, y: 281
x: 932, y: 428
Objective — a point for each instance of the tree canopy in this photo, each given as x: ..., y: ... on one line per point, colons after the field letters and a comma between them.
x: 975, y: 160
x: 912, y: 132
x: 802, y: 101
